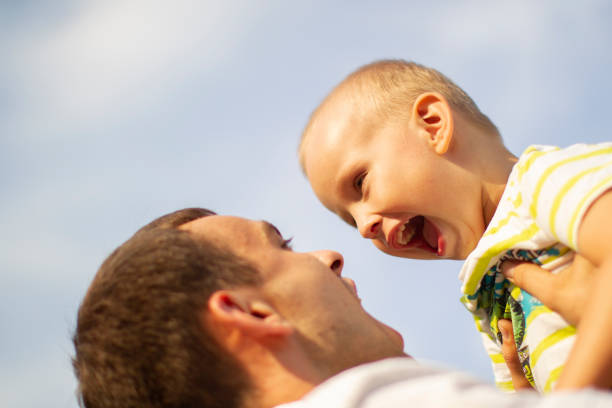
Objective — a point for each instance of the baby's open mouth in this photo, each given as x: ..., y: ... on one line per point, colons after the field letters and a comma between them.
x: 418, y: 233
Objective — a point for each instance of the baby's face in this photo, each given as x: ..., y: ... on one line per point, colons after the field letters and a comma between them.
x: 384, y: 178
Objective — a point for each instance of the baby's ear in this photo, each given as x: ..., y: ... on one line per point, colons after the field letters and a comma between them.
x: 432, y: 113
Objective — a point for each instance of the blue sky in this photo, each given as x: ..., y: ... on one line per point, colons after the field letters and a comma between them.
x: 115, y: 112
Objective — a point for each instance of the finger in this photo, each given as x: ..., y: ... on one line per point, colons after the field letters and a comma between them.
x: 511, y: 356
x: 537, y: 281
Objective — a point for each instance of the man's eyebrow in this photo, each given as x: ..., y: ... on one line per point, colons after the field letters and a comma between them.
x: 270, y: 229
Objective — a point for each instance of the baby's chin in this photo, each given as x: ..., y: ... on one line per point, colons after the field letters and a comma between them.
x: 410, y: 253
x: 463, y: 248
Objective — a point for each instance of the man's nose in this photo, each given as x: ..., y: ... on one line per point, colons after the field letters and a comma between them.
x: 369, y: 226
x: 332, y: 259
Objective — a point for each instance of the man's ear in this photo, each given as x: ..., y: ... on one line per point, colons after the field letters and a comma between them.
x: 242, y: 310
x: 432, y: 113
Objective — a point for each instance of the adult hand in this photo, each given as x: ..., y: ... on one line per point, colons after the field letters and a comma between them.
x: 565, y: 293
x: 511, y: 356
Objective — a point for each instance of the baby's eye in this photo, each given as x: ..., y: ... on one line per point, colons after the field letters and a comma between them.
x: 358, y: 183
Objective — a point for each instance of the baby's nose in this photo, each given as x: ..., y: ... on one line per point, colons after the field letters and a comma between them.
x: 370, y: 227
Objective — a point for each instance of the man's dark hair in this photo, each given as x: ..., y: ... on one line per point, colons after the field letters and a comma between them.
x: 140, y: 340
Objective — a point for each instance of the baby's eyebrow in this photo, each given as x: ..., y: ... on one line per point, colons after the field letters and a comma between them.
x: 347, y: 218
x: 346, y: 176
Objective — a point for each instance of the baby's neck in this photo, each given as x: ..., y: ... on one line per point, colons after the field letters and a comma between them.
x: 493, y: 187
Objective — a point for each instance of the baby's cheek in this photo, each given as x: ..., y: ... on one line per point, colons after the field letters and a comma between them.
x: 381, y: 246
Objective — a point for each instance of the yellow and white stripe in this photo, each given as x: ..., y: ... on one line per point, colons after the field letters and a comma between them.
x: 548, y: 192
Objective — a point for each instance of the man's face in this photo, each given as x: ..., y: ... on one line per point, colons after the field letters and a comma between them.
x: 384, y: 177
x: 308, y: 291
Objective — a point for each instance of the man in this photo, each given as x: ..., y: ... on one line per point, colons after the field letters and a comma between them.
x: 203, y: 310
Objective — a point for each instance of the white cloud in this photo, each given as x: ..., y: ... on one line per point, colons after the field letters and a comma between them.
x: 112, y: 56
x: 45, y: 388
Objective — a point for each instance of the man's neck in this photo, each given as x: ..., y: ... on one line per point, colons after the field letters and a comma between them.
x: 281, y: 378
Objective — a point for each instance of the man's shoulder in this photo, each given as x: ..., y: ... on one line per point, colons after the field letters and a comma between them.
x: 345, y: 389
x: 385, y: 383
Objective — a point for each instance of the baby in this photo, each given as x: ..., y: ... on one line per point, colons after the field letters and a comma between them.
x: 404, y: 155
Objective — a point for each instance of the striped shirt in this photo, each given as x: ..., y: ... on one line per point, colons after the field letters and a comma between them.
x: 537, y: 220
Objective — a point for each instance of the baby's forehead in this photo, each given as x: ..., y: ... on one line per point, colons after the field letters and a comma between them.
x: 346, y: 116
x: 353, y: 98
x: 345, y: 110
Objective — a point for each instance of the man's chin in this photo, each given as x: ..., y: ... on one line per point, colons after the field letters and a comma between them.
x: 396, y: 337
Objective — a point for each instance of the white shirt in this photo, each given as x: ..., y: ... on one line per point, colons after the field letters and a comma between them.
x: 403, y: 382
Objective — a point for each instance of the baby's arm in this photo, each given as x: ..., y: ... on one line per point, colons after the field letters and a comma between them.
x: 590, y: 361
x: 582, y: 294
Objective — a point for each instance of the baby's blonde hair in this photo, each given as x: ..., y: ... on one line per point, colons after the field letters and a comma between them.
x: 392, y: 86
